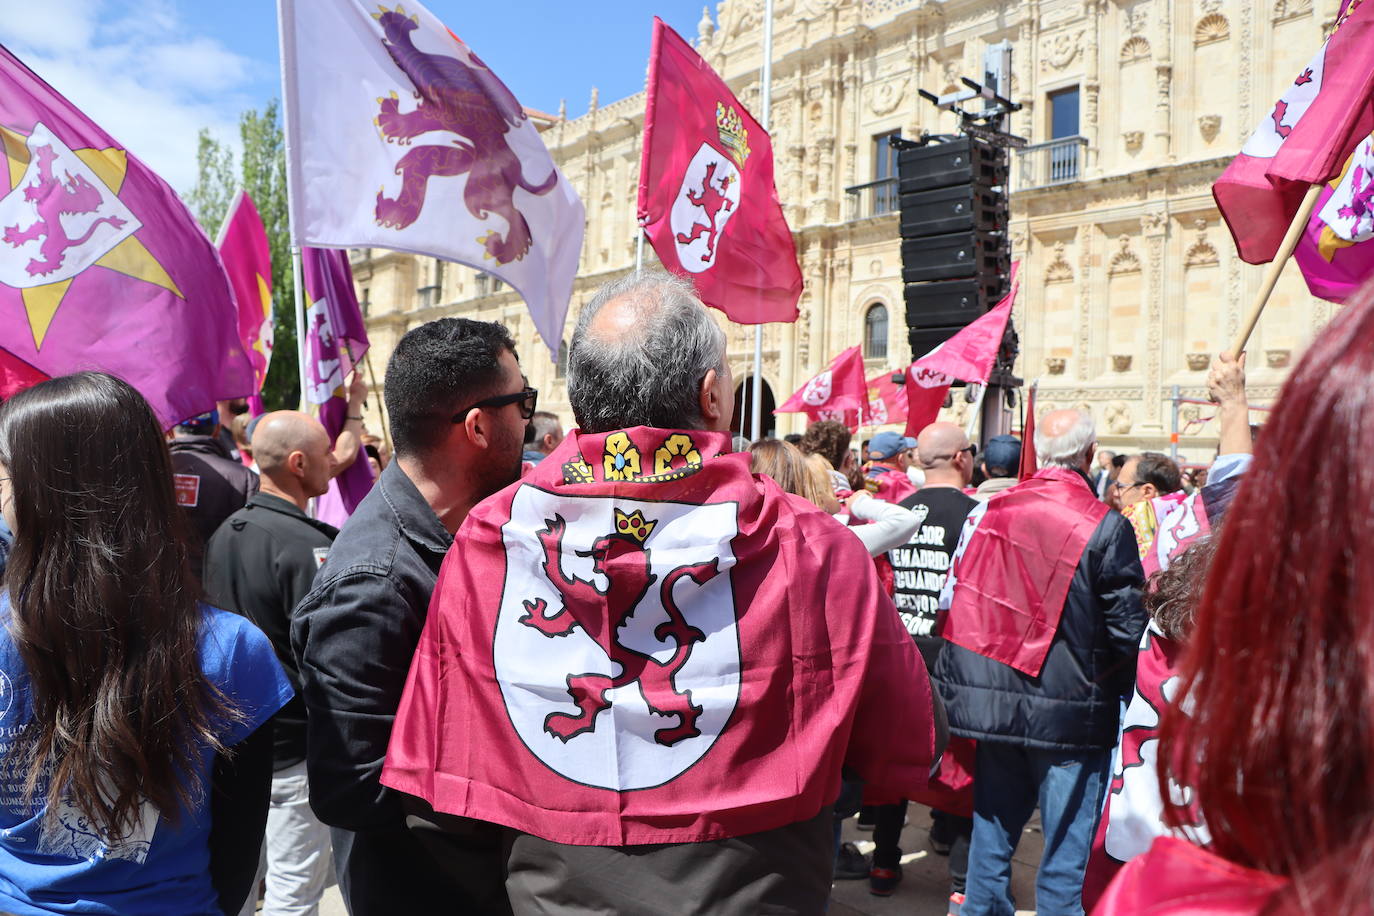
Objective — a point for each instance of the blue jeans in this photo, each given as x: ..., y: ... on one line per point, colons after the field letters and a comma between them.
x: 1008, y: 783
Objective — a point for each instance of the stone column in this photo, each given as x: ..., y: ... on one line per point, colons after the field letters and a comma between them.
x: 1155, y: 227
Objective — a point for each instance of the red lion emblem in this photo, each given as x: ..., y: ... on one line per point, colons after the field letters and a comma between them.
x: 713, y: 202
x: 473, y: 105
x: 624, y: 560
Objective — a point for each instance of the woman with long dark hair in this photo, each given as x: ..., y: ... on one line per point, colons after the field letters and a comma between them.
x: 1272, y: 731
x: 133, y: 772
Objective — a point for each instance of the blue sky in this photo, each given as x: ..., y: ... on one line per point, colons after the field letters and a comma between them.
x: 153, y: 73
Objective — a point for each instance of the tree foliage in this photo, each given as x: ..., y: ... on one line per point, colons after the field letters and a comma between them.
x: 262, y: 174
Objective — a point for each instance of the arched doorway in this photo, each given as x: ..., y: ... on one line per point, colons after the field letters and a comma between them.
x: 744, y: 407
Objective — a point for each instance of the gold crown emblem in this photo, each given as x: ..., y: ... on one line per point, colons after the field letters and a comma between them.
x: 634, y: 526
x: 732, y: 133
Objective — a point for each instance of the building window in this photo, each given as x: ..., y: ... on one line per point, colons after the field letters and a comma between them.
x: 429, y: 296
x: 483, y: 283
x: 875, y: 332
x: 366, y: 302
x: 497, y: 284
x: 560, y: 366
x: 885, y: 172
x: 1064, y: 164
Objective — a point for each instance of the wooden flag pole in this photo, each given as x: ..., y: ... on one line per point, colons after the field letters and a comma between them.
x: 381, y: 405
x: 1275, y: 268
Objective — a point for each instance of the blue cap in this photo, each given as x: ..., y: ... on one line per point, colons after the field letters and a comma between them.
x: 884, y: 445
x: 1003, y: 452
x: 201, y: 424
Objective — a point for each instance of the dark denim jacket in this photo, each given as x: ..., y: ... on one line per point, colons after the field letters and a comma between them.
x: 354, y: 635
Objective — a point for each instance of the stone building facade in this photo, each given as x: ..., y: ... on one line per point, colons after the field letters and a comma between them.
x: 1129, y: 278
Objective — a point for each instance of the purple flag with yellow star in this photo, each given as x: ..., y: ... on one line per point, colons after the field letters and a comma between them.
x: 101, y: 265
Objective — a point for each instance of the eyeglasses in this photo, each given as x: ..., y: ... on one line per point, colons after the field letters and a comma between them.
x: 526, y: 397
x: 1124, y: 487
x: 971, y: 449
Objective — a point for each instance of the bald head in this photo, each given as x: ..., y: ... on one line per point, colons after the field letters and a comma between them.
x: 282, y: 432
x: 939, y: 444
x: 1066, y: 439
x: 640, y: 352
x: 945, y: 455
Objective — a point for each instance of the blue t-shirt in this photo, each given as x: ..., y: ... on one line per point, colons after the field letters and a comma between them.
x: 6, y: 539
x: 62, y: 864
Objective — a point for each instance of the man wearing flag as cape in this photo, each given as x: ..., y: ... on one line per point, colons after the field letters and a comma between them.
x: 1044, y: 616
x: 642, y: 643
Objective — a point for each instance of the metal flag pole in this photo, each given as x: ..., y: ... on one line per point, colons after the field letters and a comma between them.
x: 975, y: 413
x: 300, y: 323
x: 639, y: 251
x: 287, y: 38
x: 765, y: 110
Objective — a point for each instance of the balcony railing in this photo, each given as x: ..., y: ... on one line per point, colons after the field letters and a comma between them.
x: 1056, y: 162
x: 872, y: 199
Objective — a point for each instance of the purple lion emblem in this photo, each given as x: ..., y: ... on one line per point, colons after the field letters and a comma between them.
x: 54, y: 199
x: 472, y: 103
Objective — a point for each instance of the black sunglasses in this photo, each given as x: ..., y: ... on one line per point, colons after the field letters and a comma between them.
x: 526, y: 397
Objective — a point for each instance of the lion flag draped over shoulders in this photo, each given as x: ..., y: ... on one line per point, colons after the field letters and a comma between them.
x: 641, y: 642
x: 400, y: 137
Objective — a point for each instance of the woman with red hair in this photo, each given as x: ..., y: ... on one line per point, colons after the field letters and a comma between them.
x: 1273, y: 730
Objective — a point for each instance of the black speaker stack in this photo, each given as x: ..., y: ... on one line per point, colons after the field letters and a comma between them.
x: 956, y: 254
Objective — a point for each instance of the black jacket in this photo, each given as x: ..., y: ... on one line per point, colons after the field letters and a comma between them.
x: 260, y: 563
x: 1074, y: 704
x: 354, y: 636
x: 210, y: 486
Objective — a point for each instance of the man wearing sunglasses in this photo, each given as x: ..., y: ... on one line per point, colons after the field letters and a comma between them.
x: 458, y: 406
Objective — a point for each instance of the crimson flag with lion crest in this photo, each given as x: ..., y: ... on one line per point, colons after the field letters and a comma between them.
x: 400, y: 137
x: 641, y: 642
x: 707, y: 200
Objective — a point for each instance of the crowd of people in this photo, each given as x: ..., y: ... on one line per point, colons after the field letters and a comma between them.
x: 641, y: 667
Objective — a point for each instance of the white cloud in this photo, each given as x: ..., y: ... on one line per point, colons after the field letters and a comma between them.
x: 147, y: 81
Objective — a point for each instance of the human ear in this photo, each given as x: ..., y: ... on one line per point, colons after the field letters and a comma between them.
x: 477, y: 427
x: 716, y: 407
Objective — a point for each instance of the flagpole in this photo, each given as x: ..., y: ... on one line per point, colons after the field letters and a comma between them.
x: 639, y: 251
x: 1275, y: 267
x: 765, y: 111
x: 300, y: 323
x: 381, y: 404
x: 286, y: 42
x: 976, y: 413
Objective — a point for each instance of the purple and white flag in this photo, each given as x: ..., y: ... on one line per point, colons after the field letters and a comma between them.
x: 101, y: 266
x: 402, y: 138
x: 335, y: 339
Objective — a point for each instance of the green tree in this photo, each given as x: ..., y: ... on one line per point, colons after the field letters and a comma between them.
x: 262, y: 174
x: 210, y: 198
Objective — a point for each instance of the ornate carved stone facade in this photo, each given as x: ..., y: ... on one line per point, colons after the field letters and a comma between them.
x: 1129, y: 275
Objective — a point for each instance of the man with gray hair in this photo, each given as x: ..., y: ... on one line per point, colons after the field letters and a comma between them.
x: 665, y: 660
x: 1044, y: 618
x: 545, y: 434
